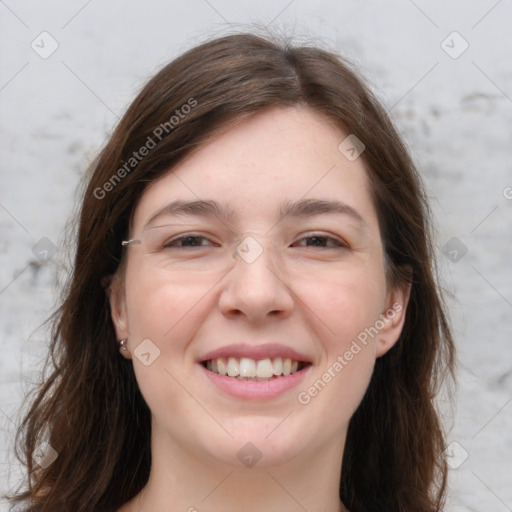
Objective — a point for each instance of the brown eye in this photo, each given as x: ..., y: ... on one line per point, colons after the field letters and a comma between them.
x: 186, y: 241
x: 322, y: 241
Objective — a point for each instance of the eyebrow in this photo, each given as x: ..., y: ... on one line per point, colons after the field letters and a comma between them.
x: 297, y: 209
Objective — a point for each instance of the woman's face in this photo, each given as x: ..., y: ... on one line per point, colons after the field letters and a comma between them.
x: 258, y: 293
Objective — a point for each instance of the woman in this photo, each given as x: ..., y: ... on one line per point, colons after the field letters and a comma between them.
x: 253, y: 318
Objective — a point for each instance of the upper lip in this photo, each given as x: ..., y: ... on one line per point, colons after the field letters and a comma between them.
x: 256, y: 352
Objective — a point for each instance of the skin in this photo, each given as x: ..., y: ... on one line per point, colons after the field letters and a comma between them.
x: 314, y: 299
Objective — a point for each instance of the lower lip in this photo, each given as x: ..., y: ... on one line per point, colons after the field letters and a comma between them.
x: 254, y: 389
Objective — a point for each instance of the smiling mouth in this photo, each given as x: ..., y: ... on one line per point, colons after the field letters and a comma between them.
x: 247, y: 369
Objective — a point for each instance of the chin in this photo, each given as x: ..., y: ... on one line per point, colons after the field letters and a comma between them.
x: 256, y: 442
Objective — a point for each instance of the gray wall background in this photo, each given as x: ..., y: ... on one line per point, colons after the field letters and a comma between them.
x: 450, y: 95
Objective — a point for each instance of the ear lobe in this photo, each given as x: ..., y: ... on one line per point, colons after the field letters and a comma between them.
x: 116, y: 296
x: 393, y: 317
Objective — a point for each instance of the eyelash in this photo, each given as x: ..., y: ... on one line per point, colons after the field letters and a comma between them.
x: 338, y: 243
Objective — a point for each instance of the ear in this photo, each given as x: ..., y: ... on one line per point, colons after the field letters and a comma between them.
x: 117, y: 298
x: 393, y: 317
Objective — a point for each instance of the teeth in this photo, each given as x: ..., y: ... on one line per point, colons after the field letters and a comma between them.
x: 278, y: 366
x: 250, y: 369
x: 264, y: 369
x: 233, y: 367
x: 221, y: 366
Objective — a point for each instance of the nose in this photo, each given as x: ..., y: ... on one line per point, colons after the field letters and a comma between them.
x: 256, y: 287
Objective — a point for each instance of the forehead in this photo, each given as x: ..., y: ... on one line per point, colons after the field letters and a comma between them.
x: 253, y: 167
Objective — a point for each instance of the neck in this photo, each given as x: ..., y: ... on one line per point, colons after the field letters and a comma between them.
x: 181, y: 481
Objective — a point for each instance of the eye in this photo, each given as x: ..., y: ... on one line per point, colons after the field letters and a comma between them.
x: 192, y: 240
x: 322, y: 240
x: 189, y: 240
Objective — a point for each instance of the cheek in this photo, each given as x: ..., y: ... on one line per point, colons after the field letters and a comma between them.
x: 162, y: 310
x: 346, y: 305
x: 343, y: 303
x: 346, y: 381
x: 160, y: 305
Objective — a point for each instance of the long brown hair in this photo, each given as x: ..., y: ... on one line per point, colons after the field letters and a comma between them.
x: 90, y: 406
